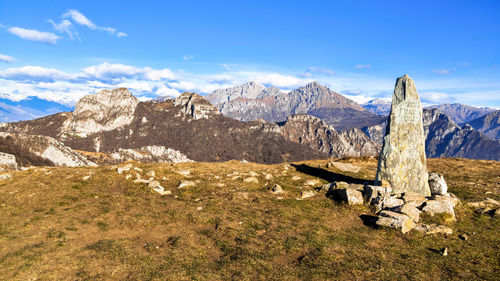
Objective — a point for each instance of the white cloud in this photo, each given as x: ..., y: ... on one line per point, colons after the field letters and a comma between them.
x: 441, y: 71
x: 65, y: 26
x: 226, y: 67
x: 166, y: 91
x: 120, y: 72
x: 34, y: 35
x: 6, y: 58
x: 363, y: 66
x: 81, y: 19
x: 188, y: 57
x: 436, y: 97
x: 279, y: 80
x: 33, y: 74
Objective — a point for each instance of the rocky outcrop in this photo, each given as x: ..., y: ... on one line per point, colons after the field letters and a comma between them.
x: 489, y: 125
x: 315, y: 133
x: 195, y: 106
x: 402, y: 161
x: 36, y: 148
x: 151, y: 153
x: 8, y: 161
x: 461, y: 113
x: 104, y: 111
x: 252, y: 101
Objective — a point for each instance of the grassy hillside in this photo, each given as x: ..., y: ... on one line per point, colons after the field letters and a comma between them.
x: 54, y: 225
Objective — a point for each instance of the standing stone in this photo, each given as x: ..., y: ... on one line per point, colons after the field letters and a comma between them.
x: 402, y: 160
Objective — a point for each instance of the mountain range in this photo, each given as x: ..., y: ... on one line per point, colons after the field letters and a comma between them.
x: 250, y: 122
x: 253, y: 101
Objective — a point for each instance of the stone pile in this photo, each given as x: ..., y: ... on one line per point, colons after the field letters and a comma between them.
x: 155, y: 185
x: 400, y: 210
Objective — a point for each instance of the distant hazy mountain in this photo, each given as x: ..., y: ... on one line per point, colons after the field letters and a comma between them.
x: 462, y: 113
x: 29, y: 108
x: 488, y: 124
x: 253, y: 101
x: 378, y: 106
x: 445, y: 138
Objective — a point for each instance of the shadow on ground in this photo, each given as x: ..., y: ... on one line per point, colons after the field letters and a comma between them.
x: 329, y: 176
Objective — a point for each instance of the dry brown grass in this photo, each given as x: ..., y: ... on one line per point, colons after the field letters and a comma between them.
x: 56, y: 226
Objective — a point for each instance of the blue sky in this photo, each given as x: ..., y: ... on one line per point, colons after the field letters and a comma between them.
x: 62, y: 50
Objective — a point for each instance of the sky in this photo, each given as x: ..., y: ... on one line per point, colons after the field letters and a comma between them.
x: 60, y: 51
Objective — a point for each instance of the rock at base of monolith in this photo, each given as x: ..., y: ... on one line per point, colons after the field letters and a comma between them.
x: 402, y: 161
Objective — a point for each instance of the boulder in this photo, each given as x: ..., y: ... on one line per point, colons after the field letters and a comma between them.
x: 395, y: 220
x: 413, y: 199
x: 276, y: 189
x: 307, y: 193
x: 251, y: 180
x: 8, y: 160
x: 349, y: 195
x: 437, y: 184
x: 433, y: 207
x: 312, y: 182
x: 409, y: 210
x: 185, y: 184
x: 371, y: 192
x: 402, y: 161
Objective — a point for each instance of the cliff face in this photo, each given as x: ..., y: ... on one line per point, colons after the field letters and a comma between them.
x: 489, y: 124
x: 104, y: 111
x: 314, y: 132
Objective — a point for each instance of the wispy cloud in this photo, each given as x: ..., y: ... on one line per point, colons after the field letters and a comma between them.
x: 363, y: 66
x: 79, y: 18
x: 316, y: 70
x: 436, y: 97
x: 188, y: 57
x: 34, y: 35
x: 441, y: 71
x: 65, y: 26
x: 6, y: 58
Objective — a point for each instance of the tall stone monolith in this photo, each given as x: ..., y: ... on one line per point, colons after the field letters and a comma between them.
x: 402, y: 160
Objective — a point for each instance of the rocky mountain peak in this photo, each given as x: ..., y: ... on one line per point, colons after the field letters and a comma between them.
x: 104, y: 111
x: 250, y: 90
x: 195, y: 106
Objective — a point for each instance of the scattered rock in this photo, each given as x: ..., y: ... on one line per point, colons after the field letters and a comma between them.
x: 124, y: 168
x: 184, y: 184
x: 437, y: 184
x: 184, y: 173
x: 5, y: 177
x: 269, y: 177
x: 128, y: 176
x: 161, y: 191
x: 349, y: 195
x: 444, y: 251
x: 488, y: 202
x: 395, y: 220
x: 86, y: 178
x: 253, y: 174
x: 151, y: 174
x: 243, y: 161
x: 251, y: 180
x: 307, y: 193
x: 141, y: 181
x: 433, y: 229
x: 328, y: 187
x: 242, y: 195
x: 138, y: 169
x: 154, y: 184
x: 276, y: 189
x: 312, y: 182
x: 296, y: 178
